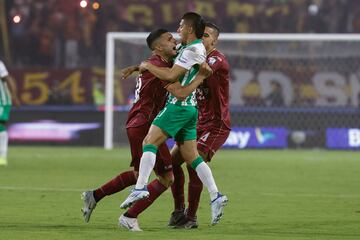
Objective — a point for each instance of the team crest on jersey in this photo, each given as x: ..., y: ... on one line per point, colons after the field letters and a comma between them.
x: 192, y: 49
x: 212, y: 60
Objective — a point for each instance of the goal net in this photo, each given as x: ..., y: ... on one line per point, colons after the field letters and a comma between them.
x: 306, y: 84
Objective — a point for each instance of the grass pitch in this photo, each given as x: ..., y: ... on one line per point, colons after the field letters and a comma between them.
x: 272, y: 195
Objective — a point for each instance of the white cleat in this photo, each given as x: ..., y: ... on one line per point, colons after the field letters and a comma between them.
x: 217, y: 208
x: 89, y: 204
x: 129, y: 223
x: 135, y: 195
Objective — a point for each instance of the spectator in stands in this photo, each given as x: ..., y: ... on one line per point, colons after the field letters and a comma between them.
x: 275, y: 98
x: 54, y: 30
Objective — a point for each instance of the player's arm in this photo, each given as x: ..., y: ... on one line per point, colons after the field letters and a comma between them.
x: 164, y: 73
x: 125, y: 72
x: 13, y: 89
x: 181, y: 92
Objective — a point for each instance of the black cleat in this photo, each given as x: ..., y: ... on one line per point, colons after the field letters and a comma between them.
x: 187, y: 224
x: 176, y: 217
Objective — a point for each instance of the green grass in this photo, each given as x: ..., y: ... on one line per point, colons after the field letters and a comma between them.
x: 273, y: 195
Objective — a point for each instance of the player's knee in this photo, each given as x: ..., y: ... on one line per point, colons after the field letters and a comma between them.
x: 147, y: 140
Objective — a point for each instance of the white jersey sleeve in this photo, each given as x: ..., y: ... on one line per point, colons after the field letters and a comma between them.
x: 3, y: 70
x: 189, y: 57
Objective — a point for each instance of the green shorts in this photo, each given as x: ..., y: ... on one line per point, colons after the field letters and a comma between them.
x: 4, y: 113
x: 179, y: 122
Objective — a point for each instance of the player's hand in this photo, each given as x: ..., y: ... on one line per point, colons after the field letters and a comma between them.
x: 143, y: 66
x: 125, y: 72
x: 205, y: 70
x: 16, y: 101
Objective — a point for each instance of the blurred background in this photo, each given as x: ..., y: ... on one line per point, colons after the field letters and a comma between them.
x: 283, y: 94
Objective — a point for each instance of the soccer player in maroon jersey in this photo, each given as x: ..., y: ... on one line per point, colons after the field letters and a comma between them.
x: 212, y: 130
x: 150, y: 97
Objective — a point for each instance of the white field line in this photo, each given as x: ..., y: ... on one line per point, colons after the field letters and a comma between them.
x: 305, y: 195
x: 311, y: 195
x: 40, y: 189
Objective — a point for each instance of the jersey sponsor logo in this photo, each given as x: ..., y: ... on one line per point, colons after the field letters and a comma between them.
x: 212, y: 60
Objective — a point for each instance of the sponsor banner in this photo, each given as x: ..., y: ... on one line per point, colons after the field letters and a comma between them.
x: 84, y: 86
x: 254, y: 137
x: 48, y: 131
x: 57, y: 127
x: 260, y: 137
x: 343, y: 138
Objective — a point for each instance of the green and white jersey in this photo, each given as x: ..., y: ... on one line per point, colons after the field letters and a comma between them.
x: 5, y: 97
x: 189, y: 57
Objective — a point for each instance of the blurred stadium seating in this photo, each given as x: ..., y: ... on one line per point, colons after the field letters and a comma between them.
x: 62, y: 34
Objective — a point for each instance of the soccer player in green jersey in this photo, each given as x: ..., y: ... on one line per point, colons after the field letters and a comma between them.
x: 8, y: 94
x: 179, y: 117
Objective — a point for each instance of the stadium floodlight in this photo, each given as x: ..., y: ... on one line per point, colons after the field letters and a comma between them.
x: 128, y: 48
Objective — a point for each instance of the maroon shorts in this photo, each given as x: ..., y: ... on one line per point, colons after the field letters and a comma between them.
x: 211, y: 138
x: 163, y: 157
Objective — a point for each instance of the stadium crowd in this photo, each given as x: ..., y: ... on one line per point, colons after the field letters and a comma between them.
x: 63, y: 34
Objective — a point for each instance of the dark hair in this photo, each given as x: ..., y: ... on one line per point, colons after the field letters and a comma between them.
x: 213, y: 26
x: 195, y: 21
x: 153, y: 36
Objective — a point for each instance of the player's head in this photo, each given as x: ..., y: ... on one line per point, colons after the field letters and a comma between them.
x: 191, y: 24
x: 211, y: 35
x: 162, y: 42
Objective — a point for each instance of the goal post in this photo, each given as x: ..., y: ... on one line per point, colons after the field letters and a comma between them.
x: 313, y: 71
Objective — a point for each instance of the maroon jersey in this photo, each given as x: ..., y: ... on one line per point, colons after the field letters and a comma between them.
x: 150, y: 96
x: 213, y: 94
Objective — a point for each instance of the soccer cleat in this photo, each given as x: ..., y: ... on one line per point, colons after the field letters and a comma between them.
x: 129, y: 223
x: 217, y: 208
x: 187, y: 223
x: 3, y: 161
x: 176, y: 217
x: 135, y: 195
x: 89, y: 204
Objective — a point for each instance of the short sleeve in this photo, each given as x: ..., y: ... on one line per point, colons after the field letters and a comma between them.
x: 3, y: 70
x: 215, y: 63
x: 189, y: 57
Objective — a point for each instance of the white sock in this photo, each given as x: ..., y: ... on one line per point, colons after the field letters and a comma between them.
x: 147, y: 163
x: 3, y: 144
x: 204, y: 173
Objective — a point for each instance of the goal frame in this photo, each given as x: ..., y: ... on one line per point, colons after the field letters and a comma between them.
x: 111, y: 37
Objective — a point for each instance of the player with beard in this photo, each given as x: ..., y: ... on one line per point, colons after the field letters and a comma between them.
x: 179, y: 118
x: 150, y: 97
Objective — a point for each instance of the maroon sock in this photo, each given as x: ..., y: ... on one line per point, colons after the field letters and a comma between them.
x: 195, y: 188
x: 155, y: 189
x: 177, y: 188
x: 115, y: 185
